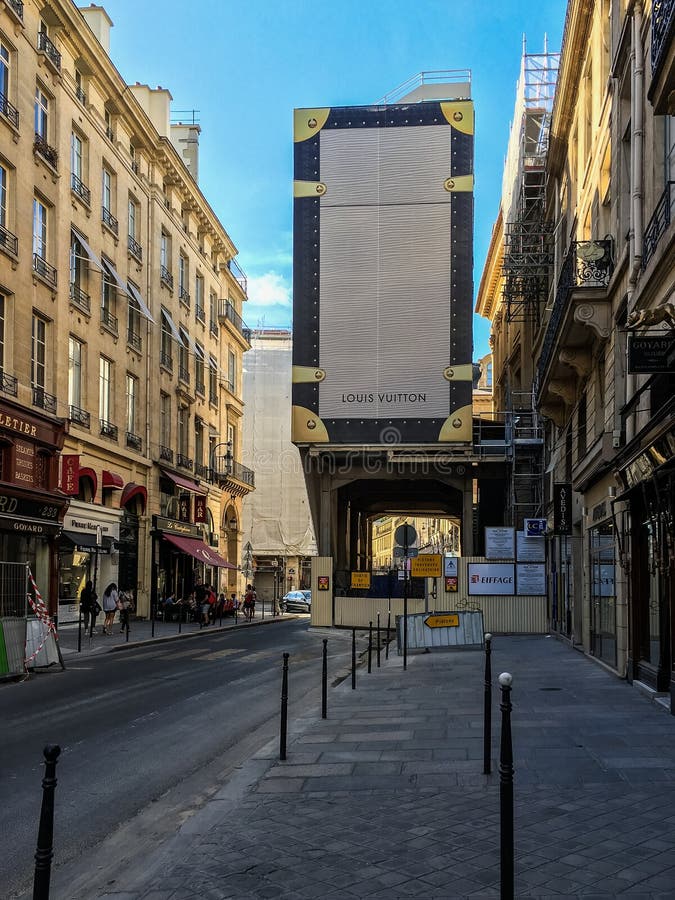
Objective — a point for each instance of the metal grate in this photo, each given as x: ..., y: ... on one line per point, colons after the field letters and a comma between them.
x: 13, y: 590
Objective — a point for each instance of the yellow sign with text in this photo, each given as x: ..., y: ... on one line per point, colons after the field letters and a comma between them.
x: 361, y: 580
x: 448, y: 621
x: 426, y: 565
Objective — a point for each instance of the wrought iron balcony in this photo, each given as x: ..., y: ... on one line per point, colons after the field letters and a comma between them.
x: 166, y: 360
x: 165, y: 453
x: 9, y: 384
x: 184, y: 374
x: 166, y: 277
x: 107, y: 429
x: 201, y: 471
x: 17, y: 6
x: 109, y: 133
x: 79, y: 416
x: 42, y: 268
x: 81, y: 96
x: 200, y: 387
x: 663, y: 20
x: 213, y: 398
x: 108, y: 219
x: 226, y: 467
x: 588, y: 264
x: 44, y: 400
x: 8, y: 111
x: 200, y: 314
x: 659, y: 222
x: 183, y: 461
x: 135, y: 248
x: 47, y: 47
x: 184, y: 297
x: 78, y: 187
x: 228, y: 313
x: 135, y: 441
x: 9, y: 241
x: 48, y: 153
x: 80, y: 299
x: 238, y: 274
x: 213, y: 327
x: 134, y: 340
x: 135, y: 168
x: 108, y: 320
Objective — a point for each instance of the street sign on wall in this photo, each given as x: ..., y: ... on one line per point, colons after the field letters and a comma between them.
x: 491, y: 578
x: 360, y: 580
x: 562, y: 508
x: 426, y: 565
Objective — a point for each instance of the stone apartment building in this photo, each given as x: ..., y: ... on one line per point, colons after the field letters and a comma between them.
x: 121, y: 331
x: 604, y: 337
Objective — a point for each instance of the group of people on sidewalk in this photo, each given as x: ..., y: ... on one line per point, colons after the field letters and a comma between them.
x: 112, y: 601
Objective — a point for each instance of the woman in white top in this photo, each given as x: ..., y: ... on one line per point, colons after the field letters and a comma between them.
x: 109, y: 601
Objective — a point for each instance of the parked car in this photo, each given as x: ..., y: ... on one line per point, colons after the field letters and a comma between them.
x: 297, y: 601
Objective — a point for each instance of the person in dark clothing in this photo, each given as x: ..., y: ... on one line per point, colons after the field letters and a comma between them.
x: 88, y: 599
x: 202, y: 604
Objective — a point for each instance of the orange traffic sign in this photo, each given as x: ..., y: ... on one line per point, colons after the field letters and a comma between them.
x: 446, y: 621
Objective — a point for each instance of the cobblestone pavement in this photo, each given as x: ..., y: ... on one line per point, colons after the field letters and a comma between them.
x: 386, y: 797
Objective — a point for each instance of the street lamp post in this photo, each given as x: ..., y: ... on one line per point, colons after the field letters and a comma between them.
x: 99, y: 543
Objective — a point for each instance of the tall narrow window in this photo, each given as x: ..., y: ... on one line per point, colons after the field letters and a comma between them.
x: 5, y: 70
x: 107, y: 191
x: 213, y: 312
x: 39, y: 228
x: 38, y: 368
x: 199, y: 369
x: 133, y: 225
x: 183, y: 365
x: 165, y: 419
x: 132, y: 400
x: 76, y: 155
x: 199, y: 442
x: 231, y: 371
x: 108, y: 294
x: 182, y: 276
x: 104, y: 388
x: 4, y: 178
x: 76, y: 267
x: 213, y: 380
x: 199, y: 298
x: 164, y: 250
x: 183, y: 416
x: 74, y: 372
x: 41, y: 111
x: 166, y: 356
x: 2, y: 333
x: 133, y: 324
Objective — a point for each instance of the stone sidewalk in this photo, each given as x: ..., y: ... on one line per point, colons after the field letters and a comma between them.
x: 386, y: 797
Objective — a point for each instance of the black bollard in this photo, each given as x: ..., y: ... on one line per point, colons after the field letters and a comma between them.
x: 127, y: 626
x: 180, y: 620
x: 378, y: 640
x: 79, y: 628
x: 506, y: 791
x: 386, y: 650
x: 353, y: 659
x: 487, y: 709
x: 284, y: 708
x: 324, y: 681
x: 370, y: 648
x: 45, y: 842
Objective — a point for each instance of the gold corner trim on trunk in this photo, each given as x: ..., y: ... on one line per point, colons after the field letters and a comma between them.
x: 307, y: 122
x: 458, y: 427
x: 459, y: 113
x: 309, y: 188
x: 458, y: 183
x: 306, y: 426
x: 308, y: 374
x: 463, y: 372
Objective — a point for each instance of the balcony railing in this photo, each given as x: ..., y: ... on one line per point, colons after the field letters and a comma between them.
x: 588, y: 264
x: 10, y: 112
x: 226, y: 311
x: 108, y: 219
x: 200, y: 314
x: 17, y: 6
x: 228, y: 467
x: 48, y: 153
x: 44, y: 400
x: 200, y: 387
x: 183, y: 461
x: 81, y: 96
x: 165, y: 453
x: 135, y: 441
x: 134, y: 340
x: 184, y: 297
x: 166, y: 360
x: 213, y: 327
x: 9, y: 241
x: 238, y: 274
x: 135, y: 168
x: 79, y: 416
x: 42, y: 268
x: 166, y: 277
x: 135, y: 248
x: 49, y: 50
x: 213, y: 398
x: 109, y: 133
x: 107, y: 429
x: 663, y: 21
x: 9, y: 384
x: 108, y: 320
x: 184, y: 374
x: 201, y: 471
x: 80, y: 188
x: 80, y: 299
x: 659, y: 222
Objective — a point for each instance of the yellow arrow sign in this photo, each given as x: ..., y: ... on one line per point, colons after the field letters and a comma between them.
x: 450, y: 621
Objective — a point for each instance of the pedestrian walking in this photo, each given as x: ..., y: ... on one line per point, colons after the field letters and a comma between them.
x: 249, y: 602
x: 202, y: 603
x: 125, y: 604
x: 110, y: 598
x: 88, y: 598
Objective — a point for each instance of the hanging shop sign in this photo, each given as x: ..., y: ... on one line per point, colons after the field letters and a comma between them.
x: 651, y: 353
x: 161, y: 523
x: 499, y: 543
x: 70, y: 474
x: 200, y: 508
x: 562, y: 508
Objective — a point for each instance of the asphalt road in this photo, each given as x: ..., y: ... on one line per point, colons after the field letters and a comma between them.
x: 160, y: 725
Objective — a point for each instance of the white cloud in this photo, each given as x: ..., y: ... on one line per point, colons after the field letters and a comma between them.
x: 270, y: 289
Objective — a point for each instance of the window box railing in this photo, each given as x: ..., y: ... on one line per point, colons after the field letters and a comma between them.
x: 166, y: 360
x: 659, y: 223
x: 201, y: 471
x: 47, y: 47
x: 135, y: 248
x: 109, y: 133
x: 134, y: 340
x: 9, y: 384
x: 228, y: 313
x: 200, y: 387
x: 247, y: 332
x: 213, y: 398
x: 108, y: 219
x: 107, y: 429
x: 183, y: 461
x: 48, y: 153
x: 184, y: 374
x: 42, y: 268
x: 135, y: 168
x: 78, y: 187
x: 242, y: 473
x: 165, y: 453
x: 135, y: 441
x: 79, y: 298
x: 9, y: 241
x: 17, y: 6
x: 8, y: 111
x: 108, y: 320
x: 81, y: 96
x: 184, y: 297
x: 44, y: 400
x: 213, y: 328
x: 79, y: 416
x: 166, y: 277
x: 238, y: 274
x: 200, y: 314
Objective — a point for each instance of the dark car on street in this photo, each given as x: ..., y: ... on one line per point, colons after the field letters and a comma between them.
x: 297, y: 601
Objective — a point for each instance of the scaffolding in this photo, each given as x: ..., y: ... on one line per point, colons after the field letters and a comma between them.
x: 528, y: 250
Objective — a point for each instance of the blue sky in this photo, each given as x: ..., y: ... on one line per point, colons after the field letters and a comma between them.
x: 246, y: 65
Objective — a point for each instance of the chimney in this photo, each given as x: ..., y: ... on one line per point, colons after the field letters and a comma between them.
x: 100, y: 23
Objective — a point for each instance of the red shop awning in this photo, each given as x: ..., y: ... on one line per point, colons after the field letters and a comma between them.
x: 132, y: 490
x: 199, y: 550
x: 93, y: 478
x: 112, y: 480
x: 184, y: 483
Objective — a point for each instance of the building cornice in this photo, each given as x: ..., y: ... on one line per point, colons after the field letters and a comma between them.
x: 486, y: 300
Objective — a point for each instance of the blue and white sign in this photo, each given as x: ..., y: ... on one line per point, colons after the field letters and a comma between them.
x: 535, y: 527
